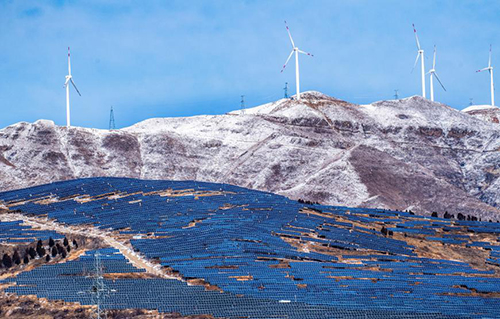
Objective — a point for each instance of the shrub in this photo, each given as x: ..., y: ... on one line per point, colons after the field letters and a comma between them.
x: 7, y: 261
x: 40, y: 251
x: 47, y: 258
x: 16, y: 258
x: 448, y: 216
x: 384, y: 231
x: 51, y: 242
x: 65, y: 242
x: 32, y: 252
x: 26, y: 259
x: 434, y: 214
x: 75, y: 244
x: 54, y: 251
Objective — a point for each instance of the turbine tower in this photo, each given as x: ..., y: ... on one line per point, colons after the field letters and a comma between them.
x: 69, y: 78
x: 295, y: 50
x: 492, y: 87
x: 420, y: 54
x: 433, y: 73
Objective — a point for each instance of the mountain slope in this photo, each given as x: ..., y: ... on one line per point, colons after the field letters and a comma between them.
x: 485, y: 112
x: 402, y: 154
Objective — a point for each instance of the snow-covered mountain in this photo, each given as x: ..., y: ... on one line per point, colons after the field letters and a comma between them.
x: 485, y: 112
x: 400, y: 154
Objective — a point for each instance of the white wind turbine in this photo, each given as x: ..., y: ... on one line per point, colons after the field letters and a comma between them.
x: 297, y: 51
x: 490, y: 68
x: 433, y: 74
x: 69, y: 78
x: 420, y: 54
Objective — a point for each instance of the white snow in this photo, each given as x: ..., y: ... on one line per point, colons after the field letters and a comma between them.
x: 479, y: 107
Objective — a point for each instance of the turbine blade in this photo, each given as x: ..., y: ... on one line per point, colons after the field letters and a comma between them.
x: 284, y: 65
x: 74, y: 85
x: 434, y: 61
x: 69, y: 63
x: 289, y: 35
x: 306, y: 53
x: 416, y: 36
x: 66, y: 83
x: 437, y: 77
x: 489, y: 60
x: 483, y: 69
x: 416, y: 60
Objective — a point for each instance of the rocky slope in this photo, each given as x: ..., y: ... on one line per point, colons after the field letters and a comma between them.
x: 485, y: 112
x: 400, y: 154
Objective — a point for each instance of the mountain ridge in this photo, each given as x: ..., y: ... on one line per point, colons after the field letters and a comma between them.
x: 320, y: 149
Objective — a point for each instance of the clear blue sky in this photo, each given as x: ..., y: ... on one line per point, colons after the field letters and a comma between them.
x: 182, y: 58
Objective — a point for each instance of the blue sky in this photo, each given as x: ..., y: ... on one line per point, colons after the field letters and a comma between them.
x: 182, y: 58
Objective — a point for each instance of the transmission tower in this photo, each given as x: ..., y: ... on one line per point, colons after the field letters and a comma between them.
x: 111, y: 119
x: 471, y: 101
x: 286, y: 90
x: 98, y: 291
x: 396, y: 95
x: 242, y: 104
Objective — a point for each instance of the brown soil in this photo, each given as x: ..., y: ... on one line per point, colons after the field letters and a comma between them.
x: 29, y: 307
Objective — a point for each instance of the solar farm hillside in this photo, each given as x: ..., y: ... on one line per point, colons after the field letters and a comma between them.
x: 407, y: 154
x: 217, y: 250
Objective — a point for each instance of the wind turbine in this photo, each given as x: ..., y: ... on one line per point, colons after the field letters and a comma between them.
x: 433, y: 73
x: 420, y: 54
x: 296, y: 51
x: 69, y: 78
x: 490, y: 68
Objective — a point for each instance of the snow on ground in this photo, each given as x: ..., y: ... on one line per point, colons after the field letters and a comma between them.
x: 479, y: 107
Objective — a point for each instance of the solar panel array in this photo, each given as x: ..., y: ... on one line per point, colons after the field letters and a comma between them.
x: 13, y: 232
x: 72, y: 281
x: 261, y: 249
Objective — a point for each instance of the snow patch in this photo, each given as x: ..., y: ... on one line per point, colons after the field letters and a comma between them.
x: 479, y: 107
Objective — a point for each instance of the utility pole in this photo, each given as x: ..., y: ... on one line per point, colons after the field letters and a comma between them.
x: 111, y: 119
x: 396, y: 95
x: 286, y: 90
x: 242, y: 105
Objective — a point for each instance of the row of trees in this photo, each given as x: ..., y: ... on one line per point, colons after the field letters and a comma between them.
x: 460, y: 216
x: 53, y: 248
